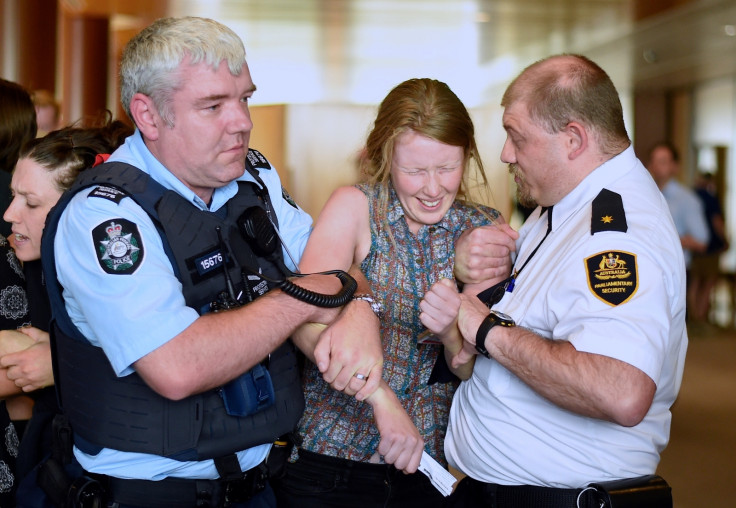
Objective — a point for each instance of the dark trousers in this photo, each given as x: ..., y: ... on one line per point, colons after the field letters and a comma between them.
x: 321, y: 481
x: 264, y: 499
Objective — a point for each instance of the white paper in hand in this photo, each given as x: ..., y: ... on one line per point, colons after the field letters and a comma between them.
x: 440, y: 477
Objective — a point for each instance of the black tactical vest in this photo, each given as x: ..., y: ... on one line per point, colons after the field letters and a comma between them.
x: 124, y: 413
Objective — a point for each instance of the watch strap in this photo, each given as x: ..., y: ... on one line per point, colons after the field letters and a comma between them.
x: 480, y: 337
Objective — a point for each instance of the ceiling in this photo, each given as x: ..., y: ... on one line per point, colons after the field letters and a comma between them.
x: 481, y: 44
x: 689, y: 45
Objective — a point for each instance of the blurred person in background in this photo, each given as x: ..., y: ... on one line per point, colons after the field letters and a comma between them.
x: 48, y: 111
x: 686, y: 208
x: 17, y: 126
x: 705, y: 267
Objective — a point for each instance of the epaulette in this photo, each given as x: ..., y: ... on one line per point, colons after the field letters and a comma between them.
x: 257, y: 160
x: 608, y: 213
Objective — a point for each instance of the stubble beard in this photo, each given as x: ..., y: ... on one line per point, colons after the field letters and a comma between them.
x: 523, y: 197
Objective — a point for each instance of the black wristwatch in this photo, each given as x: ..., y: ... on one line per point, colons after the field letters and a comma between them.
x: 492, y: 319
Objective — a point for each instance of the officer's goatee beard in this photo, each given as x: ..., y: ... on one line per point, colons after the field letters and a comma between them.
x: 523, y: 197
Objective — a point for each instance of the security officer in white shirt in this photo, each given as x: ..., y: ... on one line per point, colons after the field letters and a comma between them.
x: 582, y: 354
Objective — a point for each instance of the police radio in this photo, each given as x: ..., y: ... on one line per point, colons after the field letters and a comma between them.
x: 253, y: 391
x: 259, y: 231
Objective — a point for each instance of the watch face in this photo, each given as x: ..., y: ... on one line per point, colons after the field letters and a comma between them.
x: 502, y: 316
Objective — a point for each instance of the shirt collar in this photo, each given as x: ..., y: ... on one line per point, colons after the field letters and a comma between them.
x: 395, y: 210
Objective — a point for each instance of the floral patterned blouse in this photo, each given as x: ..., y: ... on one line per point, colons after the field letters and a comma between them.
x: 400, y: 267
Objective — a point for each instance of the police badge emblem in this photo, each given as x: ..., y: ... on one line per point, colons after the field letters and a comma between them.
x: 612, y: 276
x: 118, y: 245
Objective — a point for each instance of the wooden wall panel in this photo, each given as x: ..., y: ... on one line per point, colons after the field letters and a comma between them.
x: 269, y: 137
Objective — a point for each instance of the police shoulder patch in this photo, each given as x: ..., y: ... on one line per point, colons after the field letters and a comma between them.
x: 257, y: 160
x: 612, y: 276
x: 119, y: 246
x: 288, y: 198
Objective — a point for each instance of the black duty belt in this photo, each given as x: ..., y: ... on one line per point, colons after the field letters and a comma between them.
x: 184, y: 493
x: 528, y: 496
x: 650, y: 491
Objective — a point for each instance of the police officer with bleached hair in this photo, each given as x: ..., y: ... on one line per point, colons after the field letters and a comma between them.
x: 171, y: 282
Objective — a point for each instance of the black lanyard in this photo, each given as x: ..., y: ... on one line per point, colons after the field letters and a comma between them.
x: 493, y: 294
x: 515, y: 273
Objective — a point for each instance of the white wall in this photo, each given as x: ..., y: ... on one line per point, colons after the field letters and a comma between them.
x: 323, y: 143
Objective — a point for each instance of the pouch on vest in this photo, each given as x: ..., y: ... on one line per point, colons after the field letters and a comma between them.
x: 248, y: 393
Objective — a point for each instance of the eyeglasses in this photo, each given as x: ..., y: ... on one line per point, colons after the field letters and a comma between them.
x: 494, y: 294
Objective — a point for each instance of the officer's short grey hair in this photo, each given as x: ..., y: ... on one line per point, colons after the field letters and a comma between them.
x: 151, y: 59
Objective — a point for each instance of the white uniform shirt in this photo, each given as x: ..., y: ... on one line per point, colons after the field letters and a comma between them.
x: 131, y: 315
x: 500, y: 430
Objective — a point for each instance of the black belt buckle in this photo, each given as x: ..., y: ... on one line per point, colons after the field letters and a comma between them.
x: 243, y: 489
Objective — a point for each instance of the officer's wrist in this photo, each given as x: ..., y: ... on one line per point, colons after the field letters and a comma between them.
x: 493, y: 319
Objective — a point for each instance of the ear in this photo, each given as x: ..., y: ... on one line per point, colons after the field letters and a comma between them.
x: 576, y: 140
x: 146, y: 117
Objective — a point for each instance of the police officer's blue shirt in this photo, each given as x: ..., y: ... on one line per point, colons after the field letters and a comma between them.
x: 130, y: 315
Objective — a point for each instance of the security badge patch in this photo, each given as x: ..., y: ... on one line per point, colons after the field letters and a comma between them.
x: 612, y: 275
x: 119, y: 246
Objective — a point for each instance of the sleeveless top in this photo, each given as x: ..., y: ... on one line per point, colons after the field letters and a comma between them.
x: 399, y: 272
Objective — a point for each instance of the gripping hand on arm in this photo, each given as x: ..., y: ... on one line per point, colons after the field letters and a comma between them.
x: 482, y: 258
x: 440, y: 307
x: 352, y: 345
x: 191, y: 363
x: 400, y: 444
x: 347, y: 349
x: 484, y: 253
